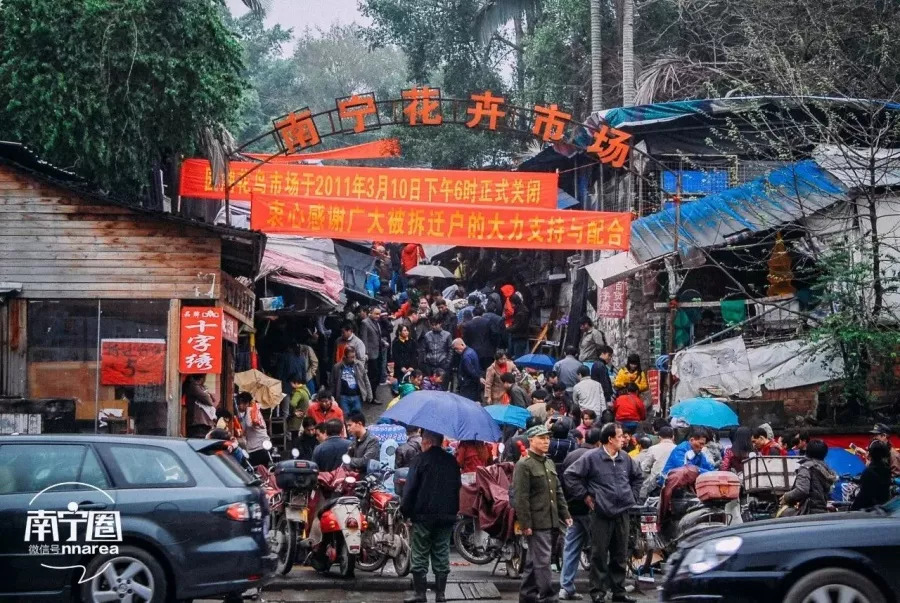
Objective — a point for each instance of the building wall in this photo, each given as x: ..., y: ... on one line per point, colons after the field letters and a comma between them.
x: 59, y: 245
x: 799, y: 402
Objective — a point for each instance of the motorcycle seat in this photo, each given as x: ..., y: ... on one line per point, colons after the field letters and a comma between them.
x: 330, y: 503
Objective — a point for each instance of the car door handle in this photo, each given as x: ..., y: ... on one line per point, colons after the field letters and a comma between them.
x: 91, y: 506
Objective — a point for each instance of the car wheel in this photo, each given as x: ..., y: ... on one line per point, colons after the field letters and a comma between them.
x: 131, y: 575
x: 839, y: 585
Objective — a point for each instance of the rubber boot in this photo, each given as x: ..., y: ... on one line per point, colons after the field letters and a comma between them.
x: 420, y: 585
x: 440, y: 587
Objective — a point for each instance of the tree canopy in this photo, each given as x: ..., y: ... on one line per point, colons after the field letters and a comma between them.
x: 111, y: 88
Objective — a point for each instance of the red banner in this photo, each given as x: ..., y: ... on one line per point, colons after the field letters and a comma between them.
x: 377, y: 149
x: 132, y: 362
x: 231, y: 328
x: 442, y: 224
x: 388, y: 185
x: 612, y: 301
x: 653, y: 382
x: 201, y: 340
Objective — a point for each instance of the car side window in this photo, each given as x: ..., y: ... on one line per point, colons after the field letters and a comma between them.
x: 148, y: 466
x: 34, y: 467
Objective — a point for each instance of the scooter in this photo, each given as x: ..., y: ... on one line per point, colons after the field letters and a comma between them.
x: 334, y: 534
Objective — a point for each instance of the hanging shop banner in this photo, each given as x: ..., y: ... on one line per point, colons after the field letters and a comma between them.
x: 464, y: 225
x: 611, y: 300
x: 131, y: 362
x: 653, y: 381
x: 231, y: 328
x: 388, y: 185
x: 201, y: 340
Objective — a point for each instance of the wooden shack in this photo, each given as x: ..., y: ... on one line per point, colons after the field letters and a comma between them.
x: 80, y: 271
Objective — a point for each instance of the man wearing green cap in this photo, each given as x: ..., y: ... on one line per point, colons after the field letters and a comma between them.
x: 540, y: 505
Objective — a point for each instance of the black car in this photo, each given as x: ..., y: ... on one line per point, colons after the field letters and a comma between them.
x: 127, y: 518
x: 831, y: 557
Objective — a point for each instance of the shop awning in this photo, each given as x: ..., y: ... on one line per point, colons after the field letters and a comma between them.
x: 307, y: 264
x: 613, y: 269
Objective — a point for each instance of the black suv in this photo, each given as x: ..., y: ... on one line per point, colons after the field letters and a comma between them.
x: 127, y: 518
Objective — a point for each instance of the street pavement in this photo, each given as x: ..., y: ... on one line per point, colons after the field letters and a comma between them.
x: 303, y: 584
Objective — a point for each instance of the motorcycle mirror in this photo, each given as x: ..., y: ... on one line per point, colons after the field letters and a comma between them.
x: 267, y: 445
x: 295, y: 453
x: 345, y: 459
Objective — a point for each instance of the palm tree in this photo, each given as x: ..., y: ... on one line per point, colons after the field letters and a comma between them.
x: 628, y: 89
x: 596, y: 56
x: 258, y: 7
x: 496, y: 14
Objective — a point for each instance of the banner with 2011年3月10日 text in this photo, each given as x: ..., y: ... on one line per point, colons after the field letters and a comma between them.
x: 446, y: 224
x: 387, y: 185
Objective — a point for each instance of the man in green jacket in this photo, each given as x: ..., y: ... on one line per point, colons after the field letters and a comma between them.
x: 540, y: 505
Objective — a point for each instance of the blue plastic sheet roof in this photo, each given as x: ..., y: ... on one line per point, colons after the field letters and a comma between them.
x: 782, y: 196
x: 645, y: 115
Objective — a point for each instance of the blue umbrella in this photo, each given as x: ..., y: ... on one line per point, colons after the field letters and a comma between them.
x: 507, y: 414
x: 445, y: 413
x: 706, y: 412
x: 541, y: 362
x: 844, y: 463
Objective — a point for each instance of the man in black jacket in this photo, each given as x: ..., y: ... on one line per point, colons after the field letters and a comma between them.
x: 600, y: 372
x: 431, y: 502
x: 608, y: 481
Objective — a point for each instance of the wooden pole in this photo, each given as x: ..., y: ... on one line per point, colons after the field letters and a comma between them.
x: 673, y: 301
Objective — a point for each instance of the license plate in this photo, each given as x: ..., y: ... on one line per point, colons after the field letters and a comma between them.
x: 295, y: 515
x: 648, y: 528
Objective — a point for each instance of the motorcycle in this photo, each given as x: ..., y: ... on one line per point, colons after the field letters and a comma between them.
x: 295, y: 480
x: 335, y: 532
x: 387, y: 535
x: 486, y: 529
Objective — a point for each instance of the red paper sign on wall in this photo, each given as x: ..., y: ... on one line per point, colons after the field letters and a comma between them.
x: 653, y: 382
x: 132, y: 362
x: 611, y: 301
x: 201, y: 340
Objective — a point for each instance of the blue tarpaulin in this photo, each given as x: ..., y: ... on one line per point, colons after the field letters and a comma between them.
x: 782, y: 196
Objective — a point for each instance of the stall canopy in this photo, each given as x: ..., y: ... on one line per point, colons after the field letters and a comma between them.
x: 306, y: 264
x: 780, y: 197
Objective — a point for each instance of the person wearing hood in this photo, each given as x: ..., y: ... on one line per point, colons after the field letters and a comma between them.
x: 508, y: 310
x: 813, y: 483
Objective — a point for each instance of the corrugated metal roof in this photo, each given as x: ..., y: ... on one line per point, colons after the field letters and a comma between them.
x: 782, y: 196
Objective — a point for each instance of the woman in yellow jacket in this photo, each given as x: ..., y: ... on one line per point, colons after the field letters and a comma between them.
x: 632, y: 373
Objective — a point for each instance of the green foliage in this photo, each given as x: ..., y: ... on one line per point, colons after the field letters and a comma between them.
x: 852, y: 330
x: 439, y: 42
x: 111, y: 88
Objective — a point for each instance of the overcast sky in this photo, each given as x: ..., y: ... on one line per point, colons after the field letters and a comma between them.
x: 299, y: 14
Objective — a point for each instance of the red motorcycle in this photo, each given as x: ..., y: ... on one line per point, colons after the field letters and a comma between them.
x: 387, y: 535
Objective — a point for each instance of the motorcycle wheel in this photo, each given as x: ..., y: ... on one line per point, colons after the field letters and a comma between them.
x: 464, y: 535
x: 515, y: 565
x: 347, y: 561
x: 283, y: 542
x: 370, y: 559
x: 403, y: 560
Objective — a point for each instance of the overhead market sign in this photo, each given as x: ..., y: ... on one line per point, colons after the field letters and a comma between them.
x: 470, y: 208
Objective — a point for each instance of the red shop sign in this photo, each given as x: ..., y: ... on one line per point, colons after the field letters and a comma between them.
x: 201, y: 340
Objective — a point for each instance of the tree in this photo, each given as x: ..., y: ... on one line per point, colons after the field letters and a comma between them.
x: 596, y: 56
x: 628, y: 53
x: 113, y: 88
